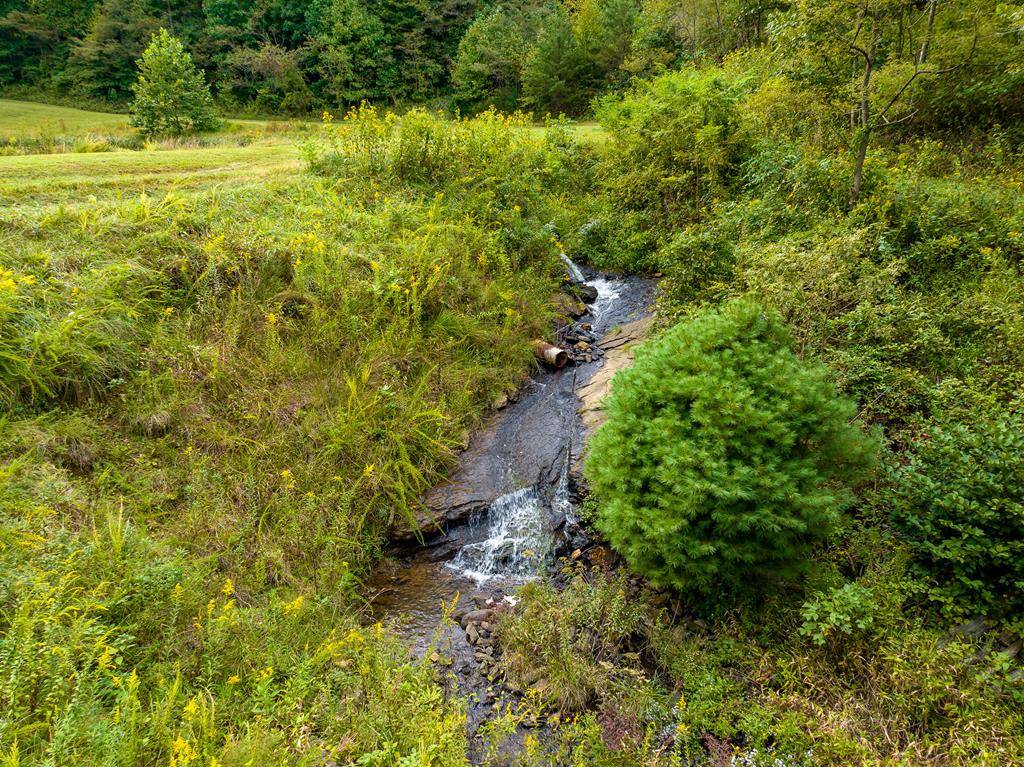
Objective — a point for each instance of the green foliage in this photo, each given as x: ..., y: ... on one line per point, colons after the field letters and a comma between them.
x: 723, y: 455
x: 842, y: 612
x: 565, y: 647
x: 959, y: 502
x: 270, y: 79
x: 675, y: 143
x: 171, y: 95
x: 487, y: 72
x: 103, y: 64
x: 355, y: 61
x: 556, y: 69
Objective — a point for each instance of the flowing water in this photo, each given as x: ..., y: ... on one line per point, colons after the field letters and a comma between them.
x: 575, y: 273
x: 509, y: 508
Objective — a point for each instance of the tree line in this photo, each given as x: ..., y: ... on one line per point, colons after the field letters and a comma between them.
x: 953, y: 63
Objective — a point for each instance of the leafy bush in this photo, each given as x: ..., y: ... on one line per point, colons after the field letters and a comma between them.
x: 959, y: 501
x: 675, y: 143
x: 722, y: 456
x: 844, y: 611
x: 171, y: 95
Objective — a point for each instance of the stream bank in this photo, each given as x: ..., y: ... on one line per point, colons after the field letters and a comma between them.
x: 508, y: 512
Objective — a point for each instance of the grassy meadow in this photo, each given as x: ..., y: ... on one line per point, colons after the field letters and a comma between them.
x: 230, y: 363
x: 225, y: 372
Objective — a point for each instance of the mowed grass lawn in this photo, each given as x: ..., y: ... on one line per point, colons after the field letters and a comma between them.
x: 21, y: 119
x: 244, y: 152
x: 69, y: 179
x: 25, y: 118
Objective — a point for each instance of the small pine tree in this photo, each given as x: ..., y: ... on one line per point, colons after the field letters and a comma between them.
x: 557, y: 76
x: 171, y: 95
x: 723, y: 455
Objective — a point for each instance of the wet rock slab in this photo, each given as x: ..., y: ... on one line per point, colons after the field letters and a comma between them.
x: 525, y: 444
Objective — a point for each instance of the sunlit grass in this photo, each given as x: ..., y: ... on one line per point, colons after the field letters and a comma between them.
x: 30, y: 180
x: 26, y: 118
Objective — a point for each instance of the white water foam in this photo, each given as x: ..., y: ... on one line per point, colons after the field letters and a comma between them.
x: 516, y: 544
x: 574, y: 271
x: 607, y: 294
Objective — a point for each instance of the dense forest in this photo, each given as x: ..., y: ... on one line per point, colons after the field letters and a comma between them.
x: 235, y: 354
x: 297, y: 58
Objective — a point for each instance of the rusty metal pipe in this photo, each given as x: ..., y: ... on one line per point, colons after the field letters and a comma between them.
x: 550, y: 354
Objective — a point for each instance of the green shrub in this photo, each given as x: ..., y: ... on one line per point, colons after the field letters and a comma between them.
x: 846, y: 611
x: 959, y: 501
x: 722, y: 456
x: 675, y: 143
x: 171, y: 95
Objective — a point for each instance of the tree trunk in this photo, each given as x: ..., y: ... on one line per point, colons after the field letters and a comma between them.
x: 928, y: 33
x: 861, y: 140
x: 863, y: 134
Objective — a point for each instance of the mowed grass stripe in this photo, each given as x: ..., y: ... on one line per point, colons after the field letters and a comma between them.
x: 27, y: 118
x: 29, y: 180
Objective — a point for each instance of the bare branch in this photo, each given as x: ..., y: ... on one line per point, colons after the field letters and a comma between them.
x: 887, y: 123
x: 918, y: 72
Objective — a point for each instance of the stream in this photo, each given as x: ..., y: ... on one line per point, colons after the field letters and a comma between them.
x: 508, y: 511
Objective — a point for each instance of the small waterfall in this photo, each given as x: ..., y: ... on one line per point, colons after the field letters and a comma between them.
x: 574, y: 271
x: 517, y: 540
x: 561, y: 503
x: 607, y: 293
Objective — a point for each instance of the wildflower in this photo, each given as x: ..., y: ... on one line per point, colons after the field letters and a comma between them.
x: 182, y: 753
x: 294, y: 606
x: 228, y: 588
x: 234, y: 679
x: 368, y: 469
x: 191, y: 710
x: 374, y: 265
x: 271, y: 318
x: 106, y: 659
x: 168, y: 311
